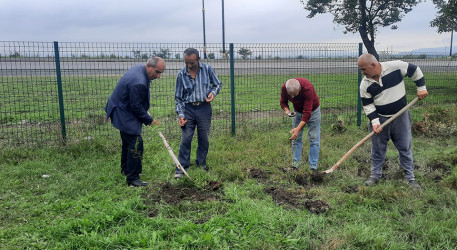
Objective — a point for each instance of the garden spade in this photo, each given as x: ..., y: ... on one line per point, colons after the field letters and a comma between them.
x: 173, y: 156
x: 370, y: 135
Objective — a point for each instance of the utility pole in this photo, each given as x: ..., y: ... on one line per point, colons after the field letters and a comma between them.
x: 452, y: 36
x: 223, y: 33
x: 204, y: 32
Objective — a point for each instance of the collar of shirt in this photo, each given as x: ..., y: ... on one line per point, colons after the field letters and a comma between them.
x: 384, y: 68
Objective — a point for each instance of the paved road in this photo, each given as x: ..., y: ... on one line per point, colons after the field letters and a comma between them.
x: 29, y: 67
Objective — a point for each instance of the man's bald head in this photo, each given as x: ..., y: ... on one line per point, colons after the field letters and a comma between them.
x: 369, y: 66
x: 367, y: 58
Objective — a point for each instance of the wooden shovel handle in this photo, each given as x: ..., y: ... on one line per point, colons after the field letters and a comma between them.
x: 371, y: 134
x: 173, y: 156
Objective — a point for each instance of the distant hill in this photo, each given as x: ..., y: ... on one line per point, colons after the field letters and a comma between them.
x: 440, y: 50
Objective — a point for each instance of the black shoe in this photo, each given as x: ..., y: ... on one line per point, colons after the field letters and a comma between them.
x: 137, y: 183
x: 414, y: 184
x: 206, y: 168
x: 371, y: 181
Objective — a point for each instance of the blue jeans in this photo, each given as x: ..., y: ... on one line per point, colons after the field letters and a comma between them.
x: 197, y: 117
x: 314, y: 133
x: 399, y: 131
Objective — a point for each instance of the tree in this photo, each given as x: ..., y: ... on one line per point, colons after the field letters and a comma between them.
x: 164, y: 53
x: 244, y: 53
x: 15, y: 54
x: 211, y: 55
x: 136, y: 53
x: 446, y: 19
x: 225, y: 55
x: 362, y: 16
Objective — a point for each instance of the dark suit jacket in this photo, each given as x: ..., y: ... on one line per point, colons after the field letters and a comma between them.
x: 129, y: 103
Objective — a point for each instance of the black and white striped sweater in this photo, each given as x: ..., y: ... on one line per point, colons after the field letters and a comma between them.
x: 388, y: 96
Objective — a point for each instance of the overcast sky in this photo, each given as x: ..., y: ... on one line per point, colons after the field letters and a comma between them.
x: 164, y: 21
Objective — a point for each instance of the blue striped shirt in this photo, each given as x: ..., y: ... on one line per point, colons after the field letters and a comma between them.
x: 190, y: 90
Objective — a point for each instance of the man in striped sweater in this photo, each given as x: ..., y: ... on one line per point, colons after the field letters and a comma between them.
x: 196, y: 87
x: 383, y: 94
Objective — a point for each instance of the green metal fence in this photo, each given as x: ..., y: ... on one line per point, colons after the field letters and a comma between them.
x: 56, y: 92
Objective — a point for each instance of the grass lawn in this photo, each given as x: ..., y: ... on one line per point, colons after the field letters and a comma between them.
x: 75, y: 196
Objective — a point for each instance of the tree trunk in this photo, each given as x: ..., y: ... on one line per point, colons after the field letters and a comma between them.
x: 369, y: 45
x: 363, y: 30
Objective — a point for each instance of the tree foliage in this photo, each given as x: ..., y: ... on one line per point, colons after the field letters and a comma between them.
x: 163, y: 53
x: 244, y: 53
x: 362, y: 16
x: 446, y: 19
x: 211, y: 55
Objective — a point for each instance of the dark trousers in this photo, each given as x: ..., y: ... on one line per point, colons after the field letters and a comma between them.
x: 197, y: 117
x: 131, y: 156
x: 399, y: 131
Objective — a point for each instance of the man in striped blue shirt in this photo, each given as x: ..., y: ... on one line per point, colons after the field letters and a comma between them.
x: 196, y: 87
x: 383, y: 94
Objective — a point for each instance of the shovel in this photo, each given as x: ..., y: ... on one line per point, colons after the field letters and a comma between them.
x: 173, y: 156
x: 370, y: 135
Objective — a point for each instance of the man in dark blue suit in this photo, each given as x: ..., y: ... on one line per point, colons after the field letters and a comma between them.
x: 128, y: 109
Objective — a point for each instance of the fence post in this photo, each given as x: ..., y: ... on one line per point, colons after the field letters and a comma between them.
x: 359, y: 100
x: 59, y: 89
x: 232, y: 88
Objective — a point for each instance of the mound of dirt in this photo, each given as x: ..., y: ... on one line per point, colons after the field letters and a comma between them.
x: 317, y: 206
x: 439, y: 166
x: 438, y: 122
x: 350, y: 189
x: 317, y: 177
x: 175, y: 194
x: 281, y: 196
x: 301, y: 179
x: 293, y: 200
x: 258, y: 174
x: 339, y: 126
x: 434, y: 176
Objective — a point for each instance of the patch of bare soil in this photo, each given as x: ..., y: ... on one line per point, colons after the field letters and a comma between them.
x: 338, y: 126
x: 317, y: 177
x: 350, y: 189
x: 281, y: 196
x: 439, y: 166
x: 293, y: 199
x: 301, y: 179
x: 178, y: 193
x: 363, y: 172
x: 434, y: 176
x: 439, y: 122
x: 258, y: 174
x: 175, y: 194
x: 317, y: 206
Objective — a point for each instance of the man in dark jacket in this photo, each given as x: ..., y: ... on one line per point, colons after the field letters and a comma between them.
x: 128, y: 109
